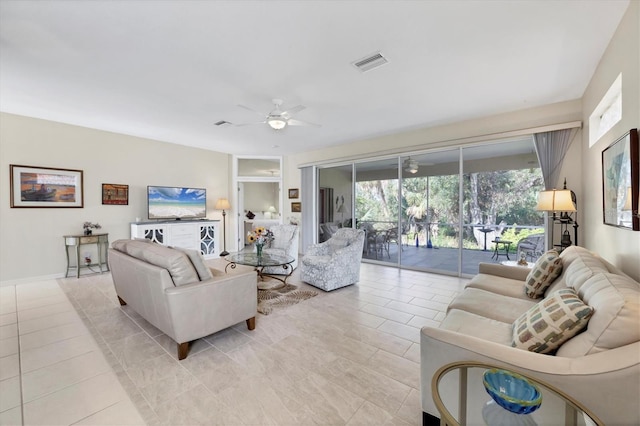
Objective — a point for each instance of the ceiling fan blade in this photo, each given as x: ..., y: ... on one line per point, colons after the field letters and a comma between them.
x: 289, y: 113
x: 249, y: 124
x: 261, y: 114
x: 294, y: 122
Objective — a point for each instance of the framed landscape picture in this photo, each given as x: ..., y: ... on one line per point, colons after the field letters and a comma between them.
x: 621, y: 182
x: 115, y: 194
x: 294, y: 193
x: 296, y: 207
x: 45, y: 187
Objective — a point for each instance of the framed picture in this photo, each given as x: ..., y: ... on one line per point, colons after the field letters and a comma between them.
x: 296, y: 207
x: 294, y: 193
x: 621, y: 182
x: 115, y: 194
x: 45, y: 187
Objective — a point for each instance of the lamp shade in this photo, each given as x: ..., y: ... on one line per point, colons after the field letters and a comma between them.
x: 272, y: 209
x: 555, y: 200
x: 222, y: 204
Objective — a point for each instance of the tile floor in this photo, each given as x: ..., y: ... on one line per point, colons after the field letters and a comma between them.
x: 347, y: 357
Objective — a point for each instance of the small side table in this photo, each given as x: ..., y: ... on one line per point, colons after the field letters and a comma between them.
x: 505, y: 245
x: 75, y: 241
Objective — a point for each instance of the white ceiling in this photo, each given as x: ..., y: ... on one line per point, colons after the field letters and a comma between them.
x: 168, y: 70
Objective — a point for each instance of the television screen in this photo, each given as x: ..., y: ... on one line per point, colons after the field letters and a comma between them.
x: 167, y: 202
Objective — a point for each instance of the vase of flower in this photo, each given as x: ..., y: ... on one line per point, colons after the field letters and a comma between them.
x: 88, y: 232
x: 89, y: 227
x: 260, y: 236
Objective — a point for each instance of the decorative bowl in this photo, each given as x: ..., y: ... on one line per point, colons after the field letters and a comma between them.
x: 511, y: 391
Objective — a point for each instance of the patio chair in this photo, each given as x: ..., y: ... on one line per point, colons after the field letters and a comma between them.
x: 532, y: 246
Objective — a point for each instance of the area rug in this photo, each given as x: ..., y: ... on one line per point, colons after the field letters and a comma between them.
x: 270, y: 299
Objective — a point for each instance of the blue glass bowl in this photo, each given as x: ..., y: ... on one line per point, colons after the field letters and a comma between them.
x: 511, y: 391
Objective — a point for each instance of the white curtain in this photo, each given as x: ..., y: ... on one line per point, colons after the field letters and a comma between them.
x: 307, y: 192
x: 551, y: 148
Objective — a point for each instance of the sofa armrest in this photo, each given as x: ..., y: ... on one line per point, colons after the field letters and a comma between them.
x: 604, y: 382
x: 204, y: 307
x: 514, y: 272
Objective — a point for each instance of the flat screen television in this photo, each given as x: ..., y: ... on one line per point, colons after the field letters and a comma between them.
x: 168, y: 202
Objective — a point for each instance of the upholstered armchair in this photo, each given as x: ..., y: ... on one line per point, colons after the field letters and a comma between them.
x: 334, y: 263
x: 285, y: 242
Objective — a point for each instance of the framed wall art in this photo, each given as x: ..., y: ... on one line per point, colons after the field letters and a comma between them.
x: 621, y: 182
x: 294, y: 193
x: 296, y: 207
x: 115, y: 194
x: 45, y: 187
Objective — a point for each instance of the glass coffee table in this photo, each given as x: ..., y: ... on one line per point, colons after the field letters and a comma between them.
x: 261, y: 262
x: 472, y: 405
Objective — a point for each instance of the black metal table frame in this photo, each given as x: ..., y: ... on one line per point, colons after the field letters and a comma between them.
x: 260, y: 268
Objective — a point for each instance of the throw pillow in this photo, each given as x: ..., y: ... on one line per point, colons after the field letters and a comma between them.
x: 198, y: 263
x: 551, y: 322
x: 546, y: 269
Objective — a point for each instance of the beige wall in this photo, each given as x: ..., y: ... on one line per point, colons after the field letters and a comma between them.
x: 31, y: 243
x: 619, y: 246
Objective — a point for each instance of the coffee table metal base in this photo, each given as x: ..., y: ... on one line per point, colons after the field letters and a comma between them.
x: 285, y: 264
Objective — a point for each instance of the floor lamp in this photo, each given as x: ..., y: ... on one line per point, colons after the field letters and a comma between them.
x: 223, y: 204
x: 555, y: 200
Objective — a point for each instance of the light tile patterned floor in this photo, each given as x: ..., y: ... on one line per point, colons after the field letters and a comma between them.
x: 346, y: 357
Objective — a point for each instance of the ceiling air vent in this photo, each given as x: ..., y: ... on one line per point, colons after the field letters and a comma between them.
x: 221, y: 122
x: 370, y: 62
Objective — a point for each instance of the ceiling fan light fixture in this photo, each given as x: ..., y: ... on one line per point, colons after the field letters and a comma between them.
x: 277, y: 122
x: 411, y: 166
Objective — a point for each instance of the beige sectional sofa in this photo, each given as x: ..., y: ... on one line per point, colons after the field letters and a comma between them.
x: 178, y: 293
x: 599, y: 367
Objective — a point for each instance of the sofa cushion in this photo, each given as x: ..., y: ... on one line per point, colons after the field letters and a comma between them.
x: 546, y: 269
x: 499, y: 285
x: 198, y: 263
x: 491, y: 305
x: 616, y: 318
x: 174, y: 261
x: 581, y: 269
x: 477, y: 326
x: 551, y: 322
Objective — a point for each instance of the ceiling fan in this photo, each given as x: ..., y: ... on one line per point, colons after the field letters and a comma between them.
x: 278, y: 119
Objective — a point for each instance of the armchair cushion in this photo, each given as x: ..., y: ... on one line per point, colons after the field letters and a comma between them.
x: 551, y: 322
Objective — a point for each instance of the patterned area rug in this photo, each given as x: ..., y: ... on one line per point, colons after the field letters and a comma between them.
x: 270, y: 299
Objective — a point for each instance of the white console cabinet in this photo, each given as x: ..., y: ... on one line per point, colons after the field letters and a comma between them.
x: 200, y: 235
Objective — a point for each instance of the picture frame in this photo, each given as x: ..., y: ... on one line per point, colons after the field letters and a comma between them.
x: 296, y: 207
x: 115, y: 194
x: 45, y: 187
x: 294, y: 193
x: 621, y: 182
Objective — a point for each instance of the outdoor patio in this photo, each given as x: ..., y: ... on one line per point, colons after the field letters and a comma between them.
x: 437, y: 259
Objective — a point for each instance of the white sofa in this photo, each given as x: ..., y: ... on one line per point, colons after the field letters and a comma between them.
x: 180, y: 295
x: 599, y: 367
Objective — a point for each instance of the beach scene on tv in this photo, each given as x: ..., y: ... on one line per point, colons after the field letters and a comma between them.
x: 176, y: 203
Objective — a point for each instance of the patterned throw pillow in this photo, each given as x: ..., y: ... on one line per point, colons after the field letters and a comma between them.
x: 551, y: 322
x: 546, y: 269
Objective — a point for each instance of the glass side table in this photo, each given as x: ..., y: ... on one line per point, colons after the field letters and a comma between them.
x: 473, y: 405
